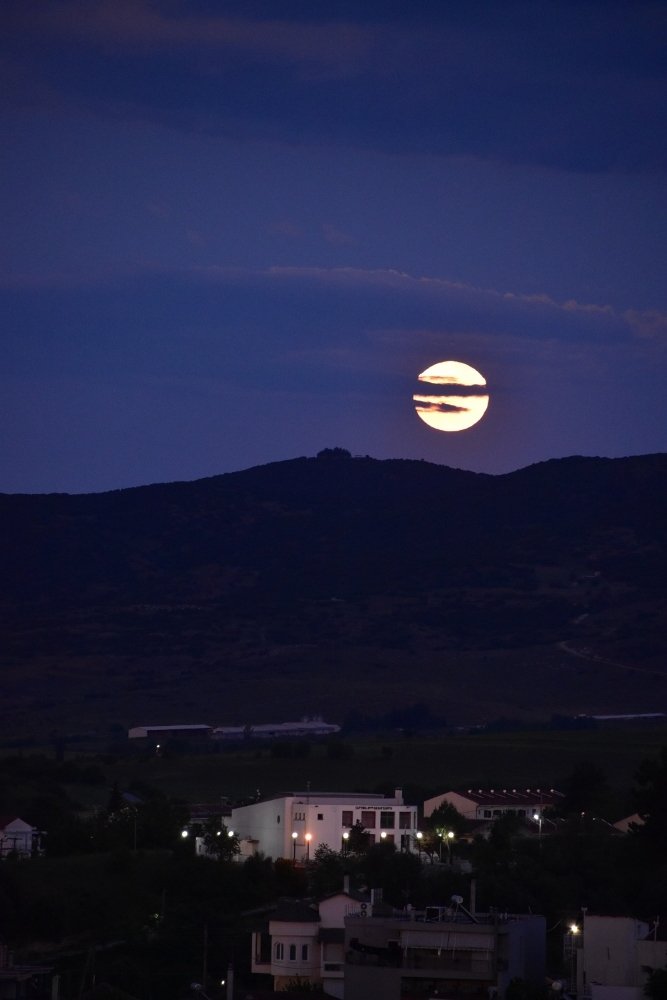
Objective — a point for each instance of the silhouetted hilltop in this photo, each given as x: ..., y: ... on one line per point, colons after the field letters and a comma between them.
x: 345, y: 557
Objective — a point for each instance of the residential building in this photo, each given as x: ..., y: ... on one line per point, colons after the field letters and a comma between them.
x: 18, y: 837
x: 441, y: 952
x: 489, y: 804
x: 612, y: 956
x: 293, y: 826
x: 306, y: 941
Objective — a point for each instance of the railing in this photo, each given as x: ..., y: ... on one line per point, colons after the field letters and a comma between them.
x: 418, y: 958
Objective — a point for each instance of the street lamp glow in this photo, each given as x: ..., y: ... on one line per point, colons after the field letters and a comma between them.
x: 574, y: 929
x: 383, y: 835
x: 295, y: 835
x: 419, y: 835
x: 184, y: 834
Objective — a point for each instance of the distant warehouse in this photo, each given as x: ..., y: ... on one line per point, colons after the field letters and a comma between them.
x: 267, y: 731
x: 198, y: 731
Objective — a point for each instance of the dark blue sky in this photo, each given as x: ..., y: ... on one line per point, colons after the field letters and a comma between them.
x: 235, y: 232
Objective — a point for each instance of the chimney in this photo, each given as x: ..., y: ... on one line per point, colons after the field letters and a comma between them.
x: 398, y: 795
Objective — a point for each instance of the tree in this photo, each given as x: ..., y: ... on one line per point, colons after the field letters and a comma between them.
x: 650, y: 796
x: 326, y: 872
x: 219, y: 842
x: 359, y: 840
x: 655, y: 986
x: 585, y: 789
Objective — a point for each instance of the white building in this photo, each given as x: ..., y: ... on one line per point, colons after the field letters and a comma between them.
x: 18, y: 837
x: 490, y: 803
x: 306, y: 941
x: 613, y: 955
x: 294, y: 826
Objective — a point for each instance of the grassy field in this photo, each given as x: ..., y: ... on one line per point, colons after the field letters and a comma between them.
x: 421, y: 766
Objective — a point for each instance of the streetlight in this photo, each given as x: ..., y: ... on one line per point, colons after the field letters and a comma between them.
x: 383, y: 835
x: 184, y: 834
x: 538, y: 819
x: 574, y: 930
x: 346, y: 837
x: 309, y: 837
x: 294, y: 836
x: 449, y: 837
x: 418, y: 837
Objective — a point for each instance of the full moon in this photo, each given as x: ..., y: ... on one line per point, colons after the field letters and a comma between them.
x: 456, y: 411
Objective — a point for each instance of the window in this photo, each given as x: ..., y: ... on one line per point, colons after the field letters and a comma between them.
x: 304, y: 952
x: 368, y: 819
x: 277, y: 819
x: 320, y: 815
x: 487, y: 814
x: 280, y: 952
x: 405, y: 821
x: 386, y: 821
x: 292, y: 953
x: 521, y: 812
x: 347, y: 817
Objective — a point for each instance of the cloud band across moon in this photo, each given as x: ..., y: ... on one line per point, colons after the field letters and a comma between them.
x: 457, y: 410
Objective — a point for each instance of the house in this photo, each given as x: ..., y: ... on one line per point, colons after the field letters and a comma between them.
x: 489, y: 804
x: 441, y: 951
x: 294, y: 826
x: 18, y: 837
x: 306, y: 941
x: 612, y: 956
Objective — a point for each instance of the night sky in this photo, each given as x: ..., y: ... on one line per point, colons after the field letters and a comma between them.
x: 235, y: 232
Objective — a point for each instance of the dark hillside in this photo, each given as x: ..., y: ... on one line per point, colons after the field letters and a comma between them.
x: 372, y: 571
